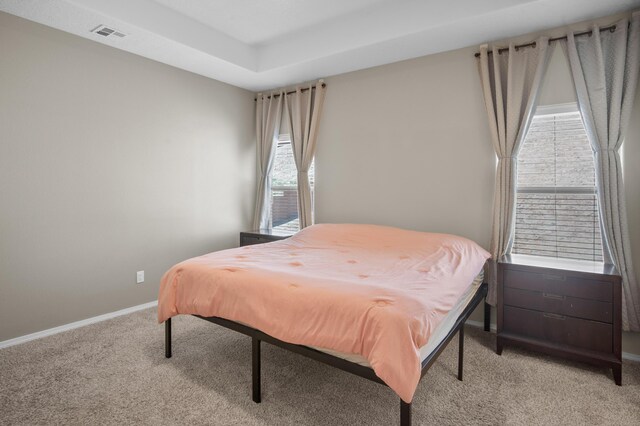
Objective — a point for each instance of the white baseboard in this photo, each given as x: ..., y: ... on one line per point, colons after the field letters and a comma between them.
x: 625, y: 355
x: 480, y: 324
x: 77, y: 324
x: 630, y: 357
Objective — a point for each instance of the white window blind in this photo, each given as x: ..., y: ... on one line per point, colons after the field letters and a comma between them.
x: 556, y: 210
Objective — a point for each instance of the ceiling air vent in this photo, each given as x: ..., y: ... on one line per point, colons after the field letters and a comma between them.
x: 105, y: 31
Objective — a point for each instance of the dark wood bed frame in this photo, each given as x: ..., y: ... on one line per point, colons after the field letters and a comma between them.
x: 258, y: 336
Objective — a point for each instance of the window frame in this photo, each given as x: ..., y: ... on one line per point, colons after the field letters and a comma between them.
x: 546, y: 110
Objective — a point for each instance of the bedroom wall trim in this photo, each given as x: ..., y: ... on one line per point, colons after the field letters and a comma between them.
x: 77, y: 324
x: 479, y: 324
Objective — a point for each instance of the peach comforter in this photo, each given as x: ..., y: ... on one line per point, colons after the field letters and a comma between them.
x: 370, y: 290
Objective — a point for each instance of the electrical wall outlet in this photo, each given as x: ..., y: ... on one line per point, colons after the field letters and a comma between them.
x: 139, y: 277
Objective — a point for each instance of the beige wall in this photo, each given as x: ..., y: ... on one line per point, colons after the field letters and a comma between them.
x: 109, y: 163
x: 407, y: 144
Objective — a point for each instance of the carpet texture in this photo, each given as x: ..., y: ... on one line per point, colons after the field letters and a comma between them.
x: 115, y: 373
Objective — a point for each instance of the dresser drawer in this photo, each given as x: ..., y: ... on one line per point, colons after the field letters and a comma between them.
x: 558, y: 283
x: 561, y: 329
x: 558, y: 304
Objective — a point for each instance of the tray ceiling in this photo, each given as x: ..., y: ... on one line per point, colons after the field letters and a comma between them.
x: 262, y: 44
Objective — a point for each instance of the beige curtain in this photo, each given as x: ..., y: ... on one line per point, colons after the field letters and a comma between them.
x: 303, y: 110
x: 268, y: 114
x: 510, y: 83
x: 605, y: 74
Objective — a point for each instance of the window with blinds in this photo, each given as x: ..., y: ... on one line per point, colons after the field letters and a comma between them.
x: 284, y: 187
x: 556, y: 210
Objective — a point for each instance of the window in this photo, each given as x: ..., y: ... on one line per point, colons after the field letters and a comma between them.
x: 284, y: 187
x: 556, y: 207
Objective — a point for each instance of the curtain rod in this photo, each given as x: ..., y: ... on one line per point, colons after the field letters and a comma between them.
x: 304, y: 89
x: 610, y: 28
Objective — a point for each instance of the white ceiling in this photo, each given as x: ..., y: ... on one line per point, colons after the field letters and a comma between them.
x: 256, y: 22
x: 263, y: 44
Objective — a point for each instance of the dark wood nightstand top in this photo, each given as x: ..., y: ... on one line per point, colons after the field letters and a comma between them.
x: 262, y: 236
x: 269, y: 233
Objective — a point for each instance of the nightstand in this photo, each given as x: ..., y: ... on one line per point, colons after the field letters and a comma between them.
x: 262, y: 236
x: 561, y: 307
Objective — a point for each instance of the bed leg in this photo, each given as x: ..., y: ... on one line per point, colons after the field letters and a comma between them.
x: 167, y: 338
x: 255, y: 369
x: 461, y: 351
x: 405, y: 413
x: 487, y: 316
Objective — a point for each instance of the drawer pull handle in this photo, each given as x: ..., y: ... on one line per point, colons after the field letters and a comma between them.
x: 554, y: 277
x: 553, y: 296
x: 554, y: 316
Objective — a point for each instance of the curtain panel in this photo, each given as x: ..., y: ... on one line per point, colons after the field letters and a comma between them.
x: 511, y: 82
x: 605, y: 67
x: 268, y: 116
x: 303, y: 111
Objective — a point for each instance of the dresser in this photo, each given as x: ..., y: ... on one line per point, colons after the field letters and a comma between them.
x: 261, y: 236
x: 561, y: 307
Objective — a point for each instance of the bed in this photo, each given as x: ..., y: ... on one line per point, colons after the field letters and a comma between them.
x: 378, y: 302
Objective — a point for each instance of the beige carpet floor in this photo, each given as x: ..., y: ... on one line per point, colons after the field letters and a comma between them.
x: 115, y: 373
